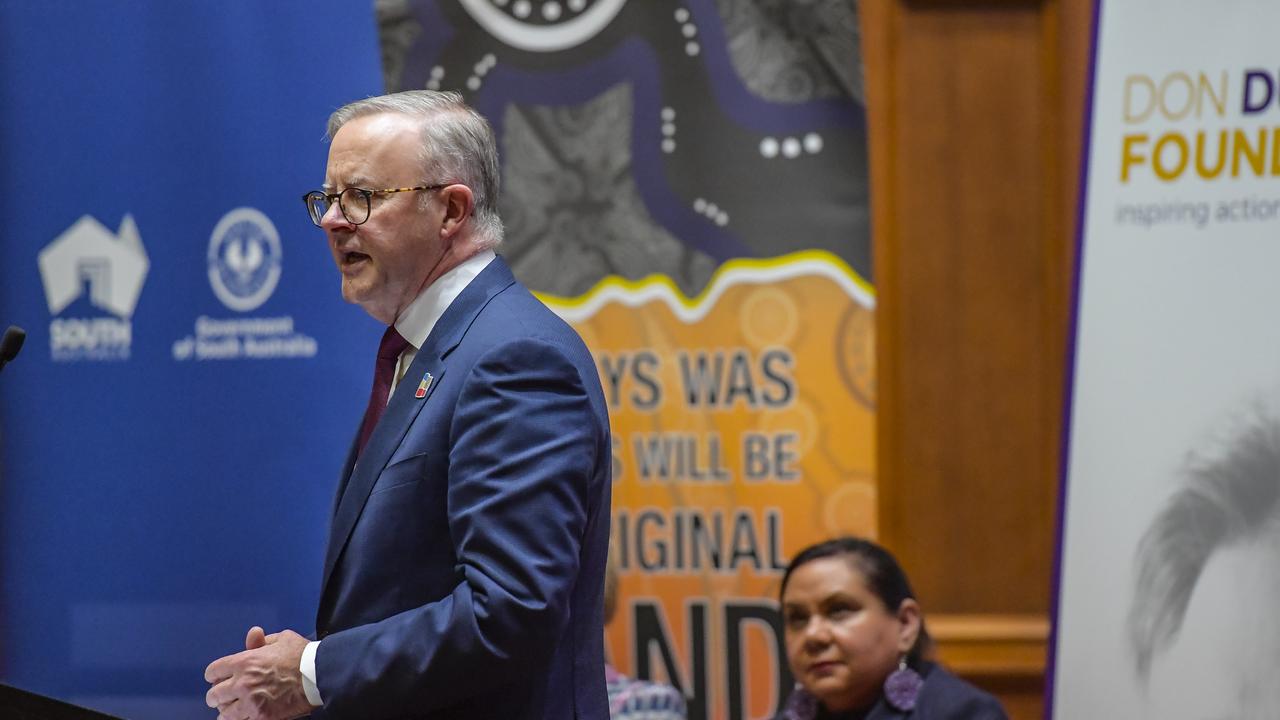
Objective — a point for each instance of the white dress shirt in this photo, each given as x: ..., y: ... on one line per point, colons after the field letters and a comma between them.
x: 414, y: 324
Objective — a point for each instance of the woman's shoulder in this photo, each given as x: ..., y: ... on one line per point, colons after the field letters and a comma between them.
x: 947, y: 697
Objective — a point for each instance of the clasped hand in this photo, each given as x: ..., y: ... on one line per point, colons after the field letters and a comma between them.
x: 262, y: 683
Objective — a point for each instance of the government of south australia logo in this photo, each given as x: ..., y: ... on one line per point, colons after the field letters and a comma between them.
x: 88, y: 261
x: 244, y: 268
x: 244, y: 259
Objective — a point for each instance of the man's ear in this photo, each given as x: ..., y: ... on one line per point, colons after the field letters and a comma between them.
x: 908, y: 624
x: 459, y: 203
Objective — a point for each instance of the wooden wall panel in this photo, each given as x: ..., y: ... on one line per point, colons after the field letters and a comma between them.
x: 975, y: 111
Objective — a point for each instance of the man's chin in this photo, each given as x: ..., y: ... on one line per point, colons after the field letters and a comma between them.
x: 378, y: 311
x: 354, y: 294
x: 349, y: 294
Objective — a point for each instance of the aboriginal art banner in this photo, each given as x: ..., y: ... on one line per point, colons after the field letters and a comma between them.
x: 686, y: 183
x: 1169, y: 554
x: 172, y: 431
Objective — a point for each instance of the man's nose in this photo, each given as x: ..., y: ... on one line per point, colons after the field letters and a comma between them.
x: 335, y: 219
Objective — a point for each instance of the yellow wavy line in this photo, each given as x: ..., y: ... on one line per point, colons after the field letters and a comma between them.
x: 635, y: 286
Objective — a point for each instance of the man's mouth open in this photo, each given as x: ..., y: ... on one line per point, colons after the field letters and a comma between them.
x: 353, y: 259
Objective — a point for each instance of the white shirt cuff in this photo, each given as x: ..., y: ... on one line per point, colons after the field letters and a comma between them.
x: 308, y: 668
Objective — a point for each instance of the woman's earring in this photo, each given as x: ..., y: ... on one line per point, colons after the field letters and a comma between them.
x: 902, y: 687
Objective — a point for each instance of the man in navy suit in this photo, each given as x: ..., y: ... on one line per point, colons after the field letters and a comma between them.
x: 464, y: 571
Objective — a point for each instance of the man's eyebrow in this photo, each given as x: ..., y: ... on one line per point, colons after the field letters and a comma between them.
x: 354, y: 181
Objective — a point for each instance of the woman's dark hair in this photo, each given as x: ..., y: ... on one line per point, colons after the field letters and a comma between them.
x: 884, y: 578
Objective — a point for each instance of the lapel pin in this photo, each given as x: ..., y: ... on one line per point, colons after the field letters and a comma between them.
x: 421, y: 392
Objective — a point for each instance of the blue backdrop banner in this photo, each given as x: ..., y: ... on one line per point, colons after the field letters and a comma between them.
x: 172, y: 431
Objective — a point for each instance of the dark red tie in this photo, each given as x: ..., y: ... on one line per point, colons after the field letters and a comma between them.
x: 384, y: 370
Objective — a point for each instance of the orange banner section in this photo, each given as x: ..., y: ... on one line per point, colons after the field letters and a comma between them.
x: 743, y: 429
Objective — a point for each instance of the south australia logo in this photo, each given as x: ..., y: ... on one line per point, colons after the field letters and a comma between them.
x: 92, y: 279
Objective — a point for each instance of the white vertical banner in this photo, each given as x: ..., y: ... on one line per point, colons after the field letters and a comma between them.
x: 1170, y: 547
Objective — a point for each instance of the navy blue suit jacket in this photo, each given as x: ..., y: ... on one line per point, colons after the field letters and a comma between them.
x: 944, y: 697
x: 465, y: 566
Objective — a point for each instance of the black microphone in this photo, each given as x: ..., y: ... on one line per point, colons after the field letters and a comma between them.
x: 11, y: 343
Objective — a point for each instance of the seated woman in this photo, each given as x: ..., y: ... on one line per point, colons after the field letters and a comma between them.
x: 855, y: 641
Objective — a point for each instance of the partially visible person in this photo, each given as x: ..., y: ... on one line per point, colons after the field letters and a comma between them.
x: 464, y: 569
x: 631, y: 699
x: 856, y: 642
x: 1201, y: 630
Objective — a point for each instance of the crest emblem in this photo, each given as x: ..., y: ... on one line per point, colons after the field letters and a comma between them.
x: 244, y: 259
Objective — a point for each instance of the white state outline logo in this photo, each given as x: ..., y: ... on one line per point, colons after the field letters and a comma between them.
x: 115, y: 265
x: 542, y: 38
x: 244, y: 261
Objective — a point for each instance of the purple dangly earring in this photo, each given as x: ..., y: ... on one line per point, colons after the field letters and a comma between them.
x: 902, y: 687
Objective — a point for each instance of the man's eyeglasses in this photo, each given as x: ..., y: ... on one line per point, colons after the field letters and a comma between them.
x: 354, y: 202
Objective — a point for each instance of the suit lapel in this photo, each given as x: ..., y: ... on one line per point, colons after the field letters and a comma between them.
x: 404, y: 406
x: 345, y: 477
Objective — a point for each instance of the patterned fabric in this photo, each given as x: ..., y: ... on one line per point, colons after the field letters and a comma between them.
x: 640, y: 699
x: 638, y: 150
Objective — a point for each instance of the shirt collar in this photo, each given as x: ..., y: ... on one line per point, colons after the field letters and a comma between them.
x: 418, y: 319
